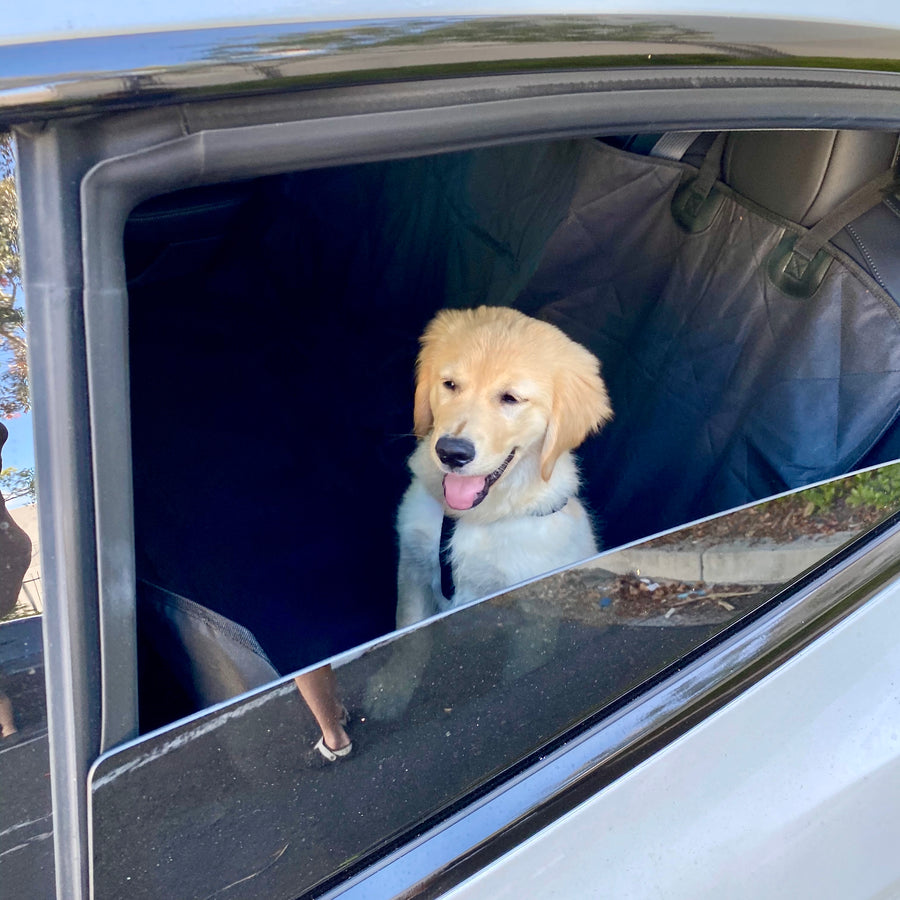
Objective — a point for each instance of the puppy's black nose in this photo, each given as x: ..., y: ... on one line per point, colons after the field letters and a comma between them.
x: 454, y: 452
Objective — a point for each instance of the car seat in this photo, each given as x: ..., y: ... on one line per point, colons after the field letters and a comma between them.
x: 735, y: 373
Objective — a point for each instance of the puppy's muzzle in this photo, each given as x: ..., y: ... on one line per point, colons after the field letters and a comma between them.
x: 454, y: 452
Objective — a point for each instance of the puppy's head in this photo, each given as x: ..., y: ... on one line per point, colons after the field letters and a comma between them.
x: 494, y: 387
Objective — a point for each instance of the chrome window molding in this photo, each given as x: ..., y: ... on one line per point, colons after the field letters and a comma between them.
x: 637, y: 726
x: 85, y: 74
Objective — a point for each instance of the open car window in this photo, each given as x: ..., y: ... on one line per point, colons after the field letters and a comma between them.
x: 270, y: 416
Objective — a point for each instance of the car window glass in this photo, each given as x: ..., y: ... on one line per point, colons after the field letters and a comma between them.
x: 237, y: 799
x: 26, y: 846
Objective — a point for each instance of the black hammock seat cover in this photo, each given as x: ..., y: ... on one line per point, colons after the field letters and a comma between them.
x: 725, y: 389
x: 272, y: 414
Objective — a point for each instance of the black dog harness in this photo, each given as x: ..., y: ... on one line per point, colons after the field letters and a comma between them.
x: 448, y: 587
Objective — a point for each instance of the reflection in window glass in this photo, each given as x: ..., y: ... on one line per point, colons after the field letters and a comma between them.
x: 235, y: 801
x: 26, y: 852
x: 718, y: 569
x: 20, y: 572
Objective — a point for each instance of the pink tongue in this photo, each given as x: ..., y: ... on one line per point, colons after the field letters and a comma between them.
x: 460, y: 491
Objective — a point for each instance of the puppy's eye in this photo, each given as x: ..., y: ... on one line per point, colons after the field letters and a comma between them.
x: 450, y: 385
x: 509, y: 399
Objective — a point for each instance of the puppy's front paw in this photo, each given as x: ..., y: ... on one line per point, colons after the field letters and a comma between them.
x: 388, y: 693
x: 390, y: 690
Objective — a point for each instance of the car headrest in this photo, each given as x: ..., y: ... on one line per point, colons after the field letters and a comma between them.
x: 802, y: 175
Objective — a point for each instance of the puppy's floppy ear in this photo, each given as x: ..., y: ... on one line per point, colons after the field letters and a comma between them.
x: 423, y: 418
x: 580, y: 407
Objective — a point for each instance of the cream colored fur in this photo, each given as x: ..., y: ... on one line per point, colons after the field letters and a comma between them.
x: 503, y: 382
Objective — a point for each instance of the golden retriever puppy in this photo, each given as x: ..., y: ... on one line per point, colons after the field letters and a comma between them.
x: 501, y: 401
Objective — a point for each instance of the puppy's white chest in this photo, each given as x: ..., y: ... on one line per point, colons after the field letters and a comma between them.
x: 492, y: 557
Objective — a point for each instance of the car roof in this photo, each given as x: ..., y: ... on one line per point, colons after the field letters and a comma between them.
x: 55, y: 19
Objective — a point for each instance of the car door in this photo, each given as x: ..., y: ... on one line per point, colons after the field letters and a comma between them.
x: 208, y: 228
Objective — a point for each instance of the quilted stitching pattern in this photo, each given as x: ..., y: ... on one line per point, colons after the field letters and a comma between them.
x: 725, y: 390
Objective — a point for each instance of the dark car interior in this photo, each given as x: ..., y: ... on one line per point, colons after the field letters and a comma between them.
x: 740, y: 291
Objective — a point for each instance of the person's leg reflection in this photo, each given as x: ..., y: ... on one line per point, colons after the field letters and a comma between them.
x: 319, y: 690
x: 7, y: 719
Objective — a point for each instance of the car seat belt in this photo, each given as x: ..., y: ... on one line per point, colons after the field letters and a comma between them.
x: 674, y: 144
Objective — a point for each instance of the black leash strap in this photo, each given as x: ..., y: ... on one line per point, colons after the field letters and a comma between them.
x: 448, y: 588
